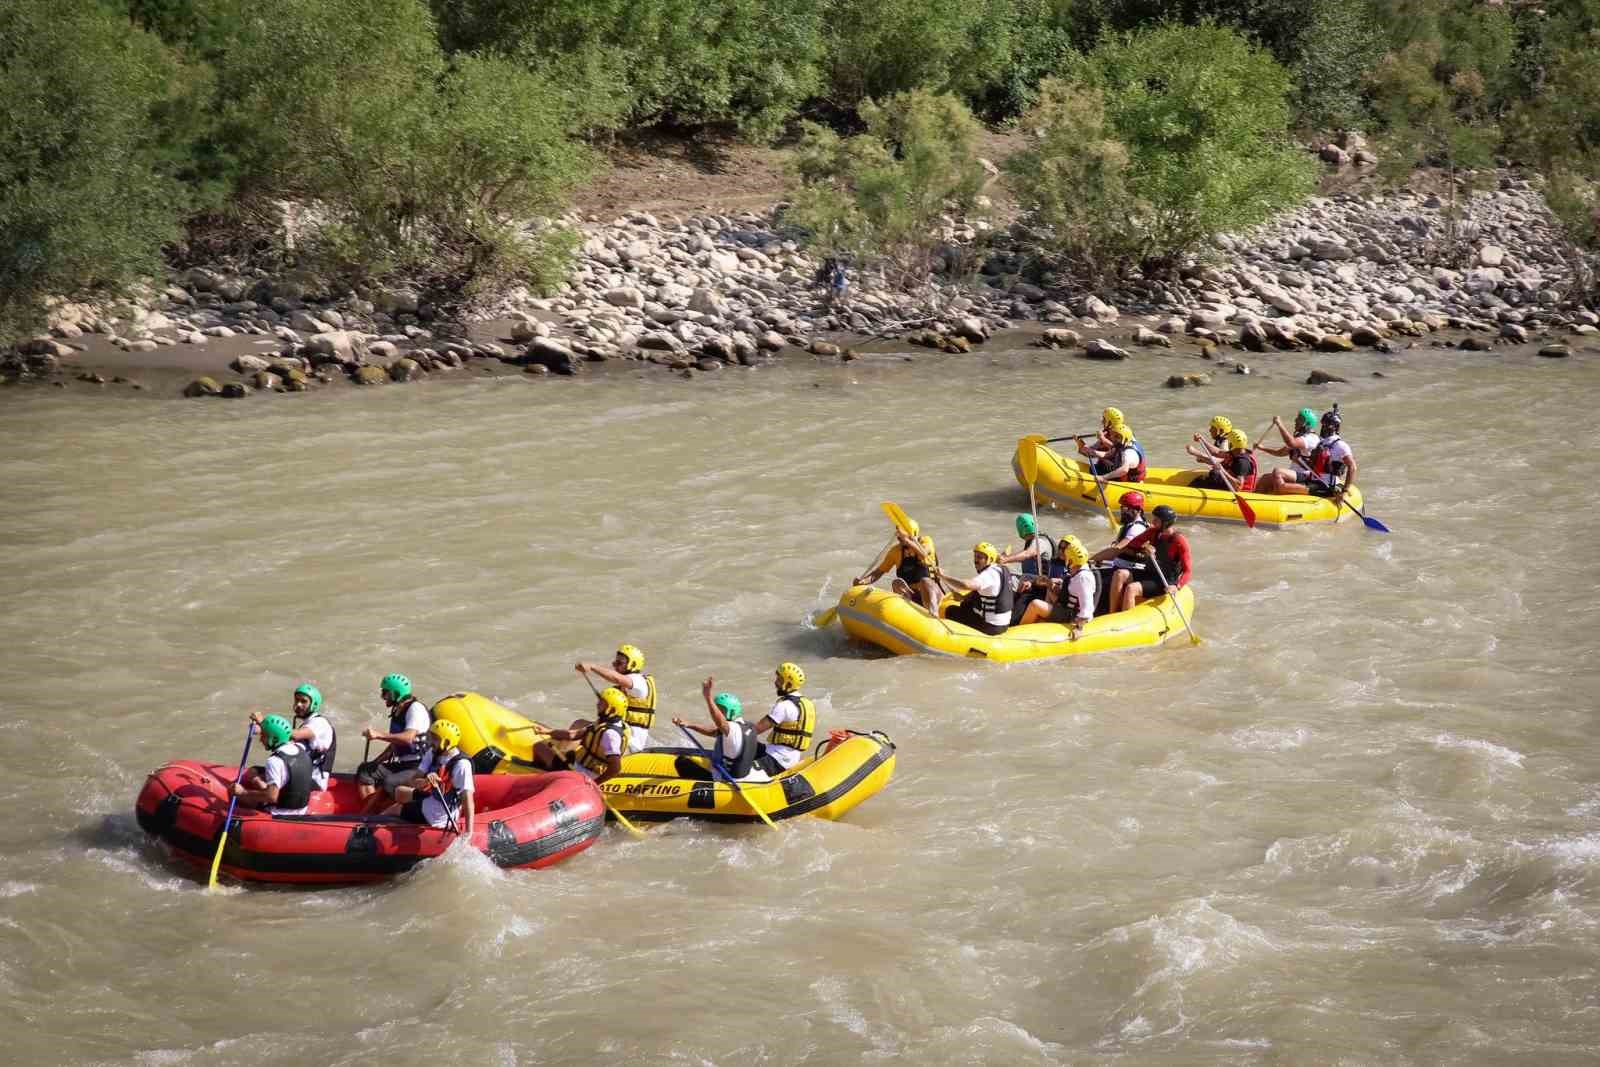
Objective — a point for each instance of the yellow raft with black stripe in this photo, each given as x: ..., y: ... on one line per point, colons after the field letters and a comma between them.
x: 890, y: 621
x: 667, y: 783
x: 1065, y: 481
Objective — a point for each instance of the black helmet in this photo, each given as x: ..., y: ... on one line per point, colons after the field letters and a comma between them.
x: 1167, y: 516
x: 1331, y: 421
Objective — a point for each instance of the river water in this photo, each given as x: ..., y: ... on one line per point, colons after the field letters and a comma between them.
x: 1356, y: 825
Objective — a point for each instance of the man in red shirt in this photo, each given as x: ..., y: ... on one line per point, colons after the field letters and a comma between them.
x: 1169, y: 550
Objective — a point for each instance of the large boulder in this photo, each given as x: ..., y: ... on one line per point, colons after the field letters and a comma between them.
x: 248, y: 364
x: 203, y: 386
x: 1059, y: 338
x: 340, y: 346
x: 553, y: 355
x: 369, y: 375
x: 1099, y: 348
x: 405, y: 369
x: 625, y: 296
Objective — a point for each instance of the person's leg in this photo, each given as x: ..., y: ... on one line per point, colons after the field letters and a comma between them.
x: 1119, y: 581
x: 545, y: 757
x: 1037, y: 611
x: 928, y: 592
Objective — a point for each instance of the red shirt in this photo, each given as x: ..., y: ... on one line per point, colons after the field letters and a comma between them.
x: 1172, y: 551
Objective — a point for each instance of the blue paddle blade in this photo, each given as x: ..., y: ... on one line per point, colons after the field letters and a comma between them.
x: 1374, y: 524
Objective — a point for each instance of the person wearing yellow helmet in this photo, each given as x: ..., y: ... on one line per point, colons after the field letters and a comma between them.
x: 1105, y: 443
x: 736, y: 747
x: 627, y: 674
x: 313, y: 730
x: 991, y: 593
x: 440, y: 793
x: 1074, y: 590
x: 405, y: 740
x: 790, y: 724
x: 1125, y: 462
x: 1234, y: 469
x: 912, y: 557
x: 1297, y: 448
x: 602, y: 742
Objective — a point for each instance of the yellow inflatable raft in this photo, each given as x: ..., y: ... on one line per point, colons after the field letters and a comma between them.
x: 891, y: 621
x: 1066, y: 480
x: 666, y: 783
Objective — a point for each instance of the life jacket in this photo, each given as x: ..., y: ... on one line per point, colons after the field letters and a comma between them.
x: 1046, y: 555
x: 449, y: 795
x: 405, y: 754
x: 996, y: 609
x: 1323, y: 465
x: 796, y: 734
x: 912, y: 570
x: 746, y: 758
x: 642, y: 713
x: 1165, y: 557
x: 1126, y: 533
x: 589, y: 754
x: 322, y: 762
x: 1073, y: 608
x: 296, y: 792
x: 1247, y: 480
x: 1138, y: 473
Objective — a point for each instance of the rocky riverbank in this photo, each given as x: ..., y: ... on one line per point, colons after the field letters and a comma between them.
x: 693, y: 295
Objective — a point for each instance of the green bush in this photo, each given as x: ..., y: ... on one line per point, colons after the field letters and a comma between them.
x: 1182, y: 134
x: 878, y: 196
x: 83, y: 200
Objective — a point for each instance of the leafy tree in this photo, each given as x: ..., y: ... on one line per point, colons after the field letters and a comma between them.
x: 1183, y: 133
x: 83, y: 199
x: 878, y: 196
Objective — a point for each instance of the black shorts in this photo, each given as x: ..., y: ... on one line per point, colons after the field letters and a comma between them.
x: 769, y: 764
x: 1151, y: 587
x: 1319, y: 487
x: 411, y: 811
x: 1210, y: 480
x: 967, y: 614
x: 1101, y: 466
x: 372, y: 772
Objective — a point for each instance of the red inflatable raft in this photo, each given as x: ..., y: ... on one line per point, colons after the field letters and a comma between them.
x: 521, y: 821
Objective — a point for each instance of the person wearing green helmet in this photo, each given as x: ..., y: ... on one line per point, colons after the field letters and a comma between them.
x: 405, y: 739
x: 313, y: 730
x: 282, y: 784
x: 1297, y: 447
x: 736, y: 747
x: 1036, y: 551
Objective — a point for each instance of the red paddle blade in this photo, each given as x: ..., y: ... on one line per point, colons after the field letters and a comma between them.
x: 1247, y: 511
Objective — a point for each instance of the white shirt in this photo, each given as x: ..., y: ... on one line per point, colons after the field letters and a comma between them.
x: 987, y: 584
x: 1081, y: 585
x: 322, y: 736
x: 1129, y: 459
x: 460, y: 777
x: 1338, y: 451
x: 1306, y: 443
x: 638, y: 736
x: 610, y: 745
x: 784, y: 711
x: 276, y: 772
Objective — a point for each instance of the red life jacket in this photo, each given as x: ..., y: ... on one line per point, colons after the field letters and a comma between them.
x: 1323, y: 466
x: 1247, y: 481
x: 1138, y: 473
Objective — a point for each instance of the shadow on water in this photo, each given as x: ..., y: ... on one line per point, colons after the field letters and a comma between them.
x: 997, y: 499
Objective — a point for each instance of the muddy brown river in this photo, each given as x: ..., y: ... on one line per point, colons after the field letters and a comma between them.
x: 1357, y: 825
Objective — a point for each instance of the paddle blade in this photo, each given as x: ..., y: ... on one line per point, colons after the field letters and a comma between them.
x: 1028, y: 459
x: 216, y: 861
x: 897, y: 516
x: 1374, y: 524
x: 626, y: 825
x: 1247, y: 511
x: 825, y: 618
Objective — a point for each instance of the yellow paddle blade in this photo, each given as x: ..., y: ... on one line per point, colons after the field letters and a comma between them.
x: 216, y: 861
x: 1028, y: 459
x: 626, y: 825
x: 897, y: 516
x: 825, y: 618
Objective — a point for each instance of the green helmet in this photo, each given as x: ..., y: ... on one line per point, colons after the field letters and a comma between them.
x: 731, y: 708
x: 395, y: 686
x: 275, y: 730
x: 1306, y: 420
x: 1026, y: 526
x: 311, y: 693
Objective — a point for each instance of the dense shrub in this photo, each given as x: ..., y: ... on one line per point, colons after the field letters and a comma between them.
x: 878, y: 196
x: 1157, y: 140
x: 83, y: 198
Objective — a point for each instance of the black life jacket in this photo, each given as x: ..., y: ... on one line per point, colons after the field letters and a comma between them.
x: 296, y: 792
x: 405, y: 754
x: 796, y: 734
x: 911, y: 569
x: 1165, y: 549
x: 1072, y: 607
x: 322, y: 762
x: 1002, y: 602
x: 1124, y: 534
x: 747, y: 751
x: 1046, y: 554
x: 1245, y: 470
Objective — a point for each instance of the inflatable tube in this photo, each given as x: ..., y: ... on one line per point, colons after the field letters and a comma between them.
x: 520, y: 822
x: 670, y: 783
x: 892, y: 622
x: 1065, y: 481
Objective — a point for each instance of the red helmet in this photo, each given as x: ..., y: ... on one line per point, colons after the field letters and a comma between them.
x: 1134, y: 499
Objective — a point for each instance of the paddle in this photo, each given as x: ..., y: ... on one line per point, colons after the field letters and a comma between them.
x: 1370, y: 523
x: 1194, y: 638
x: 216, y: 861
x: 621, y: 818
x: 717, y: 768
x: 1069, y: 437
x: 1245, y: 509
x: 1028, y: 463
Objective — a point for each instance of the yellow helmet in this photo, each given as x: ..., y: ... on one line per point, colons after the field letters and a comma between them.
x: 1221, y: 426
x: 632, y: 657
x: 1122, y: 432
x: 613, y: 699
x: 1073, y: 550
x: 790, y: 677
x: 912, y: 528
x: 1111, y: 416
x: 986, y: 550
x: 447, y: 733
x: 1237, y: 439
